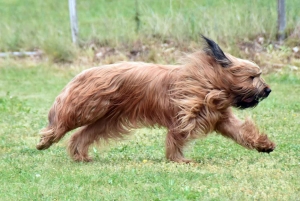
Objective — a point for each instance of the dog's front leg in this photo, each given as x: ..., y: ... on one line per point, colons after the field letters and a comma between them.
x: 244, y: 133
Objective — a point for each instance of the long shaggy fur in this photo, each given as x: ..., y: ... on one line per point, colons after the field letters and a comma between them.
x: 191, y: 100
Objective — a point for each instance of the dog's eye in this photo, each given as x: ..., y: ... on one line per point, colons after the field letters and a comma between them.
x: 252, y: 77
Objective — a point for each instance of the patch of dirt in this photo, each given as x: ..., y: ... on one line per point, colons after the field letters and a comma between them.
x: 153, y: 51
x: 269, y: 55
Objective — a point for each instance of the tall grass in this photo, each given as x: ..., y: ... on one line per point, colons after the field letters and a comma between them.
x: 28, y: 25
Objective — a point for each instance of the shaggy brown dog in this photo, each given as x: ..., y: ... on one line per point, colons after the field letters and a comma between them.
x: 190, y: 100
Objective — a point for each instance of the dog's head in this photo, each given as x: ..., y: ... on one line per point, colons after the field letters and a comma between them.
x: 240, y: 78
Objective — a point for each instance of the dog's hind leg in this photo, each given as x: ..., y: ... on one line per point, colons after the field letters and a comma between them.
x: 175, y: 143
x: 244, y: 133
x: 78, y: 145
x: 80, y: 141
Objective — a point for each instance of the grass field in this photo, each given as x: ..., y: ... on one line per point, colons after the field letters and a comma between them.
x: 136, y: 169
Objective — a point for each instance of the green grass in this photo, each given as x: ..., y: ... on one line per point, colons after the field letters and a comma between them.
x: 135, y: 169
x: 31, y: 24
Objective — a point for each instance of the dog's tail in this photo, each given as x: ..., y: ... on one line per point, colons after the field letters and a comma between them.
x: 47, y: 138
x: 48, y: 131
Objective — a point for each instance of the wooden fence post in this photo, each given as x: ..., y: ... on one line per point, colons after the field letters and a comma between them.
x: 281, y: 20
x: 73, y: 20
x: 137, y: 17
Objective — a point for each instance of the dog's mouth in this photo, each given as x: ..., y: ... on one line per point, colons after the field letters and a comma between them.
x: 253, y: 100
x: 248, y: 102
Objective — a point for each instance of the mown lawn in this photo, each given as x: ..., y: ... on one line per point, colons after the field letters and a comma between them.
x: 136, y: 169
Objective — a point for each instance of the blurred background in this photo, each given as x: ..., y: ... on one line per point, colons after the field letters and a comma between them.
x: 150, y: 30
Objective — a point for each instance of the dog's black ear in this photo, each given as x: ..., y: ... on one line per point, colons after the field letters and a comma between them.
x: 215, y: 51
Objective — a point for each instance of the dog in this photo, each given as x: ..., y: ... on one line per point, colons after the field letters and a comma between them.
x: 191, y: 99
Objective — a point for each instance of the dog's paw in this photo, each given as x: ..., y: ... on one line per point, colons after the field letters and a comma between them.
x: 265, y: 145
x: 181, y: 160
x: 43, y: 144
x: 266, y: 150
x: 80, y: 158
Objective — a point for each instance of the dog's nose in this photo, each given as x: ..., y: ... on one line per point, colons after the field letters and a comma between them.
x: 267, y: 90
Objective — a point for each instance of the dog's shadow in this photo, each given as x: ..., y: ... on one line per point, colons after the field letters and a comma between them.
x: 121, y: 155
x: 123, y: 160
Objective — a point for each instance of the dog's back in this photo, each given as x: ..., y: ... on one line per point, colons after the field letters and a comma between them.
x: 138, y: 92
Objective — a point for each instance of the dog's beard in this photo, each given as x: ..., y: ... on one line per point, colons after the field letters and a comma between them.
x: 250, y: 101
x: 247, y: 103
